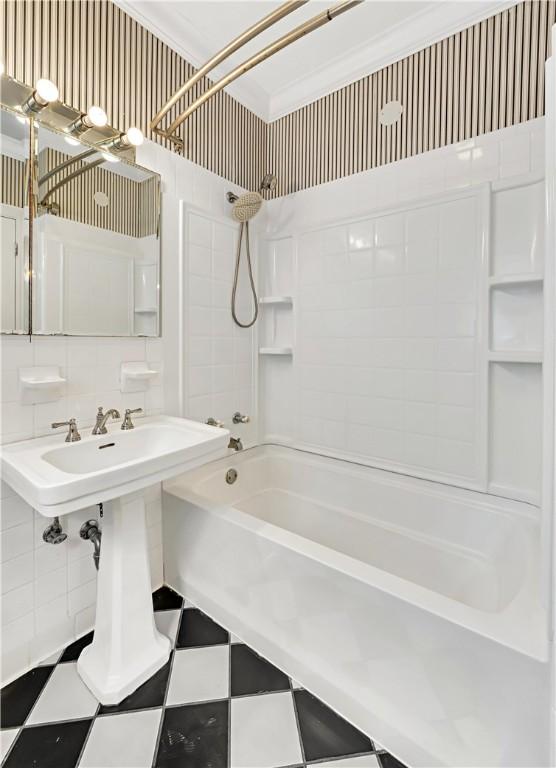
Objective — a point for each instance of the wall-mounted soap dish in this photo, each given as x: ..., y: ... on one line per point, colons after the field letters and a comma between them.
x: 40, y: 384
x: 136, y: 377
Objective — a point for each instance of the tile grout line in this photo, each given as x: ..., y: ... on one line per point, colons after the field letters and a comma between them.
x: 163, y: 707
x: 296, y: 714
x: 229, y: 759
x: 86, y: 739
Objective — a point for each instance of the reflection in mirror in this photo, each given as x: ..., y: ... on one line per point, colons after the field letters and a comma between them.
x: 14, y: 222
x: 96, y: 242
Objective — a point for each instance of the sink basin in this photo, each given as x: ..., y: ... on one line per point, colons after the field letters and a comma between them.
x: 56, y: 477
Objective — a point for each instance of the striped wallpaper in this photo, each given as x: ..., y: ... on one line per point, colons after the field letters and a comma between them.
x: 12, y: 187
x: 132, y: 206
x: 486, y: 77
x: 97, y: 54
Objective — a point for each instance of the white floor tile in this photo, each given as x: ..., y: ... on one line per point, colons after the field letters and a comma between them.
x: 125, y: 740
x: 7, y: 738
x: 167, y: 622
x: 199, y: 674
x: 264, y: 732
x: 65, y: 697
x: 363, y: 761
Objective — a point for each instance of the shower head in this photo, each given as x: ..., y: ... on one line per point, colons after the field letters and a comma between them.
x: 269, y: 182
x: 246, y: 206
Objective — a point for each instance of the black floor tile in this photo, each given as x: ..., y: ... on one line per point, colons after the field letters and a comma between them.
x: 324, y: 733
x: 73, y: 651
x: 17, y: 698
x: 165, y: 599
x: 387, y: 760
x: 251, y: 673
x: 49, y: 746
x: 150, y: 694
x: 197, y: 630
x: 194, y: 736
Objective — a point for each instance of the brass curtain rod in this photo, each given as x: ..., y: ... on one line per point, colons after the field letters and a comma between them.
x: 264, y: 23
x: 290, y: 37
x: 70, y: 177
x: 67, y: 164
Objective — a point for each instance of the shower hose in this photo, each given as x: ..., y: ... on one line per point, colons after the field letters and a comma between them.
x: 251, y: 280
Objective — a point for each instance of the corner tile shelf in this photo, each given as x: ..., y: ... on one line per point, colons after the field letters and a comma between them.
x: 284, y: 300
x: 514, y: 356
x: 285, y: 351
x: 517, y: 279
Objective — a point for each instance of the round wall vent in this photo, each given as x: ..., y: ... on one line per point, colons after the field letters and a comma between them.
x: 390, y: 113
x: 101, y: 198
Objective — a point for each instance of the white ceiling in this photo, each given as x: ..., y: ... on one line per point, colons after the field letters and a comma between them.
x: 359, y: 42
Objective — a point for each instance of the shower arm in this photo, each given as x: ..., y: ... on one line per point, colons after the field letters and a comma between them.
x: 295, y: 34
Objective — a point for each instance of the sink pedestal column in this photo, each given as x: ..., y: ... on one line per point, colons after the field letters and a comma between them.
x: 127, y: 648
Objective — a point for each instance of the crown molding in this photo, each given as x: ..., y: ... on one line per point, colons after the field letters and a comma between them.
x: 429, y: 26
x: 174, y: 30
x: 423, y: 29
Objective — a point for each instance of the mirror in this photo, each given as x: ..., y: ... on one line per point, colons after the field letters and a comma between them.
x: 96, y: 245
x: 14, y: 222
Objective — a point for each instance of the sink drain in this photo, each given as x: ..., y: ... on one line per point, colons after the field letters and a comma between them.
x: 231, y: 476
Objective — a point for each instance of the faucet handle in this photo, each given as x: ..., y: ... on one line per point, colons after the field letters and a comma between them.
x: 212, y: 422
x: 127, y: 423
x: 73, y: 435
x: 240, y: 418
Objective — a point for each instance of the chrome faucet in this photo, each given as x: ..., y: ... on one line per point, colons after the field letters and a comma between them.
x: 235, y: 443
x: 102, y: 418
x: 73, y: 435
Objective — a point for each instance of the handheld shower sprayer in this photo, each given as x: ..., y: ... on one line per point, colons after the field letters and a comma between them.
x: 245, y: 207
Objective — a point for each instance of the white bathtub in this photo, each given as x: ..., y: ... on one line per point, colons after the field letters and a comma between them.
x: 409, y: 607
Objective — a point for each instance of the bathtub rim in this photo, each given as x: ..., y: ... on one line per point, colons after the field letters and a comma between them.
x: 521, y: 626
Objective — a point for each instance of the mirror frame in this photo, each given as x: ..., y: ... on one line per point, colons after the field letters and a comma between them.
x: 28, y: 196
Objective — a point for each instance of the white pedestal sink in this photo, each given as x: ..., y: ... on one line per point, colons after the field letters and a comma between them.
x: 56, y: 478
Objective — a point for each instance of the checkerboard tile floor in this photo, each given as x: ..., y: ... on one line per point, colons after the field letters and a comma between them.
x: 215, y: 704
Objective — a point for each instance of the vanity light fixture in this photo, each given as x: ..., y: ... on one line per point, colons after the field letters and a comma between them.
x: 71, y: 141
x: 44, y: 94
x: 133, y: 137
x: 96, y: 117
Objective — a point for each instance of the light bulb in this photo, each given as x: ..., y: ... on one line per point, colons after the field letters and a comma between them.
x: 46, y: 90
x: 134, y: 136
x: 110, y: 158
x: 97, y: 117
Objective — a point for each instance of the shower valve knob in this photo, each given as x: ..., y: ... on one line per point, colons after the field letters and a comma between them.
x: 239, y: 418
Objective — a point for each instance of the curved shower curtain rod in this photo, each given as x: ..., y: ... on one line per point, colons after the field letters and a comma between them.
x: 290, y: 37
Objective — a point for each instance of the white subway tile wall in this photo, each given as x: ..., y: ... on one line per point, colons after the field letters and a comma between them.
x: 220, y: 368
x: 385, y: 367
x: 49, y: 591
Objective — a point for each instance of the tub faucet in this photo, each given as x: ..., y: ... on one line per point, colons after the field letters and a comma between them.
x: 235, y: 443
x: 102, y: 418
